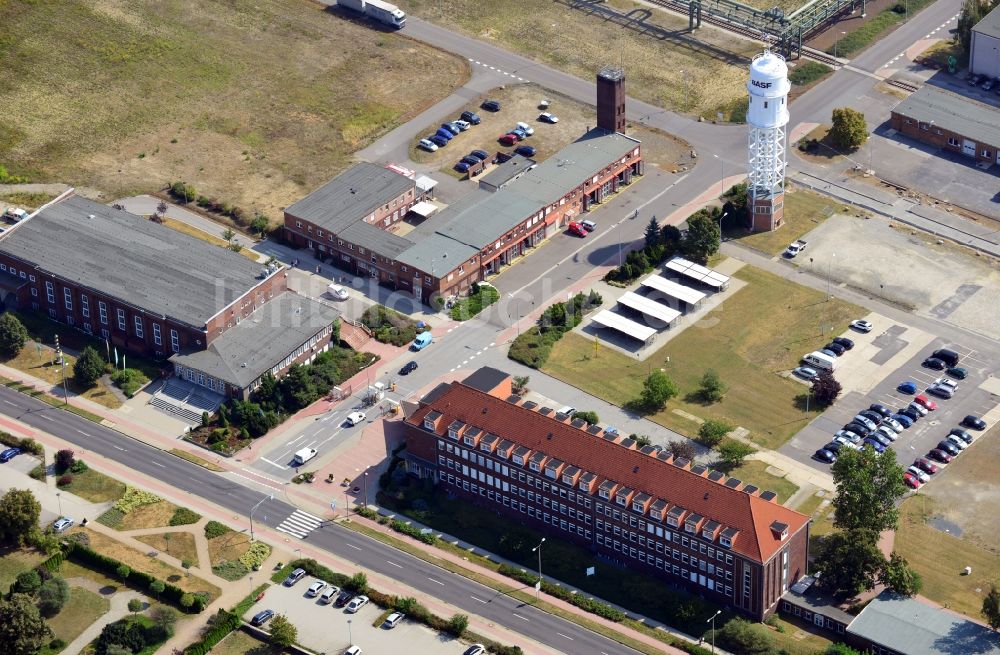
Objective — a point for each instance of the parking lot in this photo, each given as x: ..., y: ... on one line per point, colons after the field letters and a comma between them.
x: 330, y: 629
x: 889, y: 359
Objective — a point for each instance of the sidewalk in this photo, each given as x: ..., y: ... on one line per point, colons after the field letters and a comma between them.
x: 145, y: 205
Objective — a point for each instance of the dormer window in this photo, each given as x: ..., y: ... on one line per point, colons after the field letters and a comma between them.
x: 658, y: 516
x: 518, y: 460
x: 637, y: 507
x: 429, y: 425
x: 453, y: 433
x: 484, y: 446
x: 534, y: 466
x: 550, y: 473
x: 604, y: 494
x: 566, y: 479
x: 689, y: 527
x: 583, y: 486
x: 671, y: 521
x: 469, y: 441
x: 621, y: 499
x: 725, y: 542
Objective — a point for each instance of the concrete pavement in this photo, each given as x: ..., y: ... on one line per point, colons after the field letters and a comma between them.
x: 145, y: 205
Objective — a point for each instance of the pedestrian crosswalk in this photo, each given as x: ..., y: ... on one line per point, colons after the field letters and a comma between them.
x: 299, y: 524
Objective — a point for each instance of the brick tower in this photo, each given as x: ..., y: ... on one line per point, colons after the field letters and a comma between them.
x: 611, y: 99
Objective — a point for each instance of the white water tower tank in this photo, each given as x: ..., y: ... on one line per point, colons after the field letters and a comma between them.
x: 767, y: 119
x: 768, y: 87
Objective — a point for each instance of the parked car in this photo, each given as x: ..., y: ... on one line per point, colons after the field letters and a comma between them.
x: 894, y: 424
x: 858, y: 428
x: 444, y: 134
x: 353, y: 650
x: 961, y: 434
x: 463, y: 125
x: 861, y: 326
x: 948, y: 447
x: 865, y: 421
x: 481, y: 155
x: 9, y: 454
x: 577, y: 229
x: 408, y: 368
x: 329, y: 594
x: 262, y: 617
x: 845, y: 342
x: 806, y: 373
x: 589, y: 225
x: 975, y: 80
x: 527, y: 129
x: 836, y: 348
x: 911, y: 413
x: 875, y: 444
x: 887, y: 432
x: 907, y: 387
x: 428, y: 145
x: 833, y: 447
x: 941, y: 391
x: 872, y: 416
x: 959, y: 443
x: 933, y: 363
x: 508, y: 139
x: 438, y: 140
x: 356, y: 604
x: 849, y: 435
x: 939, y: 455
x: 356, y: 417
x: 471, y: 161
x: 294, y: 577
x: 947, y: 382
x: 546, y: 117
x: 63, y: 524
x: 958, y: 372
x: 462, y: 167
x: 525, y: 151
x: 490, y: 105
x: 316, y: 588
x: 974, y: 422
x: 920, y: 409
x: 925, y: 465
x: 881, y: 438
x: 829, y: 353
x: 903, y: 420
x: 344, y: 597
x: 471, y: 116
x: 924, y: 401
x: 911, y: 480
x: 475, y: 649
x: 451, y: 127
x: 393, y: 620
x: 923, y: 476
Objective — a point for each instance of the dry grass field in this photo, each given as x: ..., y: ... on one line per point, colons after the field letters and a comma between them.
x: 251, y: 103
x: 39, y: 361
x: 179, y: 544
x: 698, y: 73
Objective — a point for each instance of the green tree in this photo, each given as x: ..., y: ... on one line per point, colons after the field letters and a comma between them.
x: 298, y: 387
x: 89, y: 367
x: 19, y: 512
x: 259, y: 224
x: 653, y: 235
x: 683, y: 449
x: 590, y: 417
x: 712, y: 431
x: 123, y: 572
x: 741, y: 636
x: 22, y: 629
x: 27, y: 582
x: 283, y: 633
x: 898, y: 576
x: 825, y: 388
x: 157, y: 587
x: 671, y: 237
x: 657, y: 389
x: 458, y: 624
x: 134, y: 605
x: 991, y: 607
x: 52, y: 596
x: 868, y: 486
x: 228, y: 235
x: 519, y: 383
x: 850, y: 561
x: 164, y: 619
x: 841, y: 649
x: 13, y: 335
x: 732, y: 453
x: 849, y: 131
x: 702, y: 238
x: 712, y: 388
x: 641, y: 440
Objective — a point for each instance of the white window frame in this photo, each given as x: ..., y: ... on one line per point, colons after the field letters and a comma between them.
x: 102, y: 309
x: 138, y: 327
x: 68, y: 298
x: 175, y: 341
x: 157, y: 339
x: 50, y: 291
x: 85, y: 305
x: 121, y: 320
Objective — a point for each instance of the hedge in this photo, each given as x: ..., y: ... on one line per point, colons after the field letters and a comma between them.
x: 109, y: 565
x: 589, y: 604
x: 54, y: 562
x: 27, y: 445
x: 412, y: 531
x: 225, y: 623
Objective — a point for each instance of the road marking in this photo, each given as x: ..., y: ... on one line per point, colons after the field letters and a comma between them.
x: 354, y: 547
x: 479, y: 600
x: 398, y: 566
x: 301, y: 436
x: 436, y: 581
x: 46, y: 417
x: 158, y: 464
x: 119, y: 448
x: 263, y: 484
x: 492, y: 344
x: 83, y: 433
x: 562, y: 635
x: 523, y: 618
x: 10, y: 403
x: 299, y: 524
x: 465, y: 362
x: 280, y: 466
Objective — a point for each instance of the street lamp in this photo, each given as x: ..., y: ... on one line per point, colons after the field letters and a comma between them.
x: 835, y: 43
x: 829, y: 277
x: 263, y: 500
x: 538, y: 585
x: 366, y: 488
x: 59, y: 498
x: 712, y: 620
x: 350, y: 638
x: 724, y: 214
x: 722, y: 181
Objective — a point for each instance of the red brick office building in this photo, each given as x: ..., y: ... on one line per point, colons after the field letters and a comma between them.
x: 951, y: 122
x: 681, y: 522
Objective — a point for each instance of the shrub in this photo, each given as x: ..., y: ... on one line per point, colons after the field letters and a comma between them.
x: 27, y: 582
x: 89, y: 367
x: 13, y: 335
x: 38, y: 472
x: 389, y: 326
x: 134, y: 605
x: 215, y: 529
x: 412, y: 531
x: 225, y: 622
x: 712, y: 431
x: 64, y: 480
x: 184, y: 516
x: 458, y: 624
x: 129, y: 380
x: 230, y: 570
x: 182, y: 192
x: 111, y: 517
x: 481, y: 296
x: 134, y: 498
x: 255, y: 555
x: 27, y: 445
x: 64, y: 460
x: 357, y: 583
x: 57, y: 645
x: 79, y: 466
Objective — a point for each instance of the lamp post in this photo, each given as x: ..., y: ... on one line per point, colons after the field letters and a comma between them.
x: 538, y: 585
x: 62, y: 363
x: 722, y: 180
x: 835, y: 44
x: 366, y: 488
x: 262, y: 501
x: 712, y: 620
x: 722, y: 216
x: 350, y: 637
x: 829, y: 277
x: 59, y: 498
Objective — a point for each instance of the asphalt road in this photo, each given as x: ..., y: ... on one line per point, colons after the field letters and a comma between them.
x: 464, y: 594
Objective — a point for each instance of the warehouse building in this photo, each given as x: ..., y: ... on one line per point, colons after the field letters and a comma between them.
x: 984, y: 51
x: 639, y: 508
x: 353, y: 217
x: 951, y: 122
x: 145, y: 288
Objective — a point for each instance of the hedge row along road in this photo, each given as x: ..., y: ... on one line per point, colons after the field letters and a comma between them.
x: 535, y: 625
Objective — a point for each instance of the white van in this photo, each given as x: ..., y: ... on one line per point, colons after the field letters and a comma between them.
x: 820, y: 360
x: 303, y: 456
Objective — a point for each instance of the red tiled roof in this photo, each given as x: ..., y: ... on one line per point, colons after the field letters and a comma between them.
x: 749, y: 514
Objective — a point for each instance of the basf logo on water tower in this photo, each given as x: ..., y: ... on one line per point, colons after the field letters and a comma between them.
x: 767, y: 117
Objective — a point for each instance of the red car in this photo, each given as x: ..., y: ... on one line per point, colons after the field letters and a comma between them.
x: 939, y: 455
x: 577, y: 229
x: 925, y: 466
x: 926, y: 402
x: 911, y: 481
x: 508, y: 139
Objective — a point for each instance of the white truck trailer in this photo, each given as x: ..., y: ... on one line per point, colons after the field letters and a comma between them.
x: 379, y: 10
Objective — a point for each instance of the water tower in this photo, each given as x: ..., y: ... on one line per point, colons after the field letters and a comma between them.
x: 767, y: 117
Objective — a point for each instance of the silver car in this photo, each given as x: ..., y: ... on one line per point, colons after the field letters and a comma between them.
x: 865, y: 421
x: 920, y: 475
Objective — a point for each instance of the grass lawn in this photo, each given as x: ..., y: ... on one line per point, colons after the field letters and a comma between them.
x: 156, y: 515
x: 225, y: 551
x: 939, y: 558
x: 810, y: 505
x: 797, y: 637
x: 95, y: 486
x: 189, y: 230
x: 179, y: 544
x: 84, y: 607
x: 753, y: 472
x: 250, y: 104
x: 40, y: 365
x: 940, y: 51
x: 27, y: 200
x: 14, y: 562
x: 142, y: 562
x: 804, y: 211
x: 194, y: 459
x: 739, y: 340
x: 241, y: 643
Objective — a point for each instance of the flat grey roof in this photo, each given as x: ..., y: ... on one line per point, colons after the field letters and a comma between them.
x: 350, y: 196
x: 249, y: 349
x: 990, y: 24
x: 953, y: 112
x: 377, y: 240
x: 485, y: 379
x: 437, y: 254
x: 142, y: 263
x: 507, y: 171
x: 817, y: 600
x: 911, y: 627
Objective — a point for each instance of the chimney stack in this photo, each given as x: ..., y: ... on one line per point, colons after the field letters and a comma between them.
x: 611, y: 99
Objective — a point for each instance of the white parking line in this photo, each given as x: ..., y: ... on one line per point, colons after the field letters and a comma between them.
x: 280, y: 466
x: 436, y: 581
